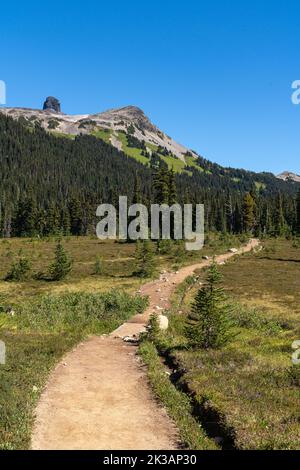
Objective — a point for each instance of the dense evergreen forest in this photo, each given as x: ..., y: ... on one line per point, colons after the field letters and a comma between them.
x: 53, y: 185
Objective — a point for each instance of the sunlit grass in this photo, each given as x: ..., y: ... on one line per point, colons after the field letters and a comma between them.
x: 249, y: 381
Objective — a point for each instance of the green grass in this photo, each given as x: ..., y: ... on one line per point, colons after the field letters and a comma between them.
x: 118, y: 264
x: 173, y: 162
x: 132, y: 152
x: 62, y: 134
x: 103, y: 134
x: 52, y: 317
x: 260, y: 185
x: 30, y: 357
x: 136, y: 153
x: 177, y: 403
x: 41, y: 332
x: 251, y: 382
x: 191, y: 161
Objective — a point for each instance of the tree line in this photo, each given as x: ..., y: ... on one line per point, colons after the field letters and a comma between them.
x: 52, y: 185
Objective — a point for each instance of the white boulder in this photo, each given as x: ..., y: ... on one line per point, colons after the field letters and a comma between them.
x: 163, y: 322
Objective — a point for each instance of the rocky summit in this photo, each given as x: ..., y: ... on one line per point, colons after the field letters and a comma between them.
x: 52, y: 104
x: 289, y: 176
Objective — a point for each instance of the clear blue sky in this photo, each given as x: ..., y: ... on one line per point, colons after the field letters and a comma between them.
x: 216, y: 75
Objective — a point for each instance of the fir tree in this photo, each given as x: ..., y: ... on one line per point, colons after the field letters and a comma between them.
x: 172, y: 196
x: 19, y: 271
x: 62, y: 264
x: 66, y: 221
x: 144, y: 259
x: 161, y: 186
x: 98, y: 266
x: 53, y: 220
x: 137, y: 193
x: 280, y: 222
x: 248, y: 213
x: 229, y: 214
x: 209, y: 324
x: 75, y: 216
x: 25, y: 220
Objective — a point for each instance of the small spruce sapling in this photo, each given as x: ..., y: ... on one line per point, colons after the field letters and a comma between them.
x: 209, y: 324
x: 62, y: 264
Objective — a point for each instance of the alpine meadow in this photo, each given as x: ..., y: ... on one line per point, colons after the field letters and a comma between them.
x: 149, y: 233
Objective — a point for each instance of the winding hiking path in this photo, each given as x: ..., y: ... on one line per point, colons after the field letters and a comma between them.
x: 98, y: 397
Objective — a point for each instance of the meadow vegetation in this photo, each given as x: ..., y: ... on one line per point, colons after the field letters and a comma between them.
x: 43, y: 317
x: 245, y: 393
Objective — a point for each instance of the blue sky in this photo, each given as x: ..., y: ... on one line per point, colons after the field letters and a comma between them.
x: 215, y: 75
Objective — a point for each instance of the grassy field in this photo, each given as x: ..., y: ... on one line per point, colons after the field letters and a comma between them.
x: 103, y: 134
x: 131, y: 151
x: 117, y: 258
x: 52, y: 317
x: 39, y: 334
x: 248, y: 390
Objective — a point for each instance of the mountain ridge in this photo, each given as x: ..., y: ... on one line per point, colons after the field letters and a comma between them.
x: 115, y: 126
x: 289, y: 176
x: 128, y: 118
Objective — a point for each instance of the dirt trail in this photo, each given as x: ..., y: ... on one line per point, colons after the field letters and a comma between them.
x: 99, y: 397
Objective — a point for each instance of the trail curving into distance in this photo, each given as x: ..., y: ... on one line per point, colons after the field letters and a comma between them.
x: 98, y: 397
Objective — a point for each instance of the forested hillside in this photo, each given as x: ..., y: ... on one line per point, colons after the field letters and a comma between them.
x: 52, y: 184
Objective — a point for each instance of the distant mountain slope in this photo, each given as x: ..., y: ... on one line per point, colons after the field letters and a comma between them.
x: 51, y: 182
x: 130, y: 120
x: 129, y: 130
x: 289, y: 176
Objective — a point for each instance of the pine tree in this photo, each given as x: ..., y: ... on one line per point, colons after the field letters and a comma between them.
x: 172, y: 196
x: 179, y: 252
x: 41, y: 222
x: 237, y: 219
x: 62, y: 264
x: 248, y: 213
x: 75, y: 216
x: 161, y: 186
x: 137, y: 193
x: 229, y: 214
x: 209, y: 324
x: 53, y: 220
x: 25, y: 220
x: 144, y: 259
x: 280, y: 222
x: 267, y: 225
x: 98, y: 266
x: 19, y: 270
x: 65, y: 221
x: 172, y: 199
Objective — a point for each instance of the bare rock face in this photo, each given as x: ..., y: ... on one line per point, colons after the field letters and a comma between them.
x: 131, y: 115
x: 289, y: 176
x: 52, y: 104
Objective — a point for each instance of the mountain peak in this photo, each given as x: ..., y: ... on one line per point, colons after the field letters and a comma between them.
x: 132, y: 114
x: 289, y: 176
x: 52, y: 104
x: 128, y: 119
